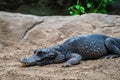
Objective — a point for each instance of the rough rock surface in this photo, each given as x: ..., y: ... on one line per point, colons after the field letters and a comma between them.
x: 21, y: 34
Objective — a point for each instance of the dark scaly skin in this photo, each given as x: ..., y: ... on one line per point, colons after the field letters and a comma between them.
x: 72, y: 51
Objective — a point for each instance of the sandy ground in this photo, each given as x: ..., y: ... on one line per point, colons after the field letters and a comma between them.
x: 102, y: 69
x: 11, y: 52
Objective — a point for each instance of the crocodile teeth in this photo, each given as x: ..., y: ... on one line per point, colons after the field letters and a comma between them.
x: 24, y: 64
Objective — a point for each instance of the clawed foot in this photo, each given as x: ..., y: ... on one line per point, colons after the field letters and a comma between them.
x: 109, y: 57
x: 66, y: 65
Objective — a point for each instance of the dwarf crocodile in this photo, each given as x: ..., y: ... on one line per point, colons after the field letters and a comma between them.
x: 73, y: 50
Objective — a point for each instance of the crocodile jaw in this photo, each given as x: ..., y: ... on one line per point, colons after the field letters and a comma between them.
x: 26, y: 62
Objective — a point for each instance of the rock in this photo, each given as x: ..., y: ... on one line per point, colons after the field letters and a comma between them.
x: 47, y: 30
x: 20, y: 34
x: 14, y: 27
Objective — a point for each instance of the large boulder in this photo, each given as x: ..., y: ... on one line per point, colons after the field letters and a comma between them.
x: 20, y: 34
x: 51, y: 30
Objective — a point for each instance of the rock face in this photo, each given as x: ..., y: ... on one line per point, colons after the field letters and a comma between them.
x: 18, y: 27
x: 21, y: 34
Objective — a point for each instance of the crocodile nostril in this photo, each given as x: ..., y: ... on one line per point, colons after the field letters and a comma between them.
x: 23, y: 60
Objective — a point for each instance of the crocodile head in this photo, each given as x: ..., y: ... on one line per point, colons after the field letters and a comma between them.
x: 40, y: 57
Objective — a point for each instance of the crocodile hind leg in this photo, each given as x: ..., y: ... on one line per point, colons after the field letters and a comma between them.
x: 72, y: 59
x: 112, y: 47
x: 110, y: 56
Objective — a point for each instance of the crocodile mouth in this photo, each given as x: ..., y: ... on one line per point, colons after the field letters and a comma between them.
x: 27, y: 64
x: 37, y: 59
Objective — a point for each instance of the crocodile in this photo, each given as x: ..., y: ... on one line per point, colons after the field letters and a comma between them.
x: 76, y: 49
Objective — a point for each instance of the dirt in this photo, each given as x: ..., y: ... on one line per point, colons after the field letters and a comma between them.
x: 10, y: 68
x: 12, y: 51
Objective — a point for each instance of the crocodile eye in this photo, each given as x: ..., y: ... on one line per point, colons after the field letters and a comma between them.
x: 40, y: 53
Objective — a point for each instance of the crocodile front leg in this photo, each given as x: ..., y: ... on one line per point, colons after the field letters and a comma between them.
x: 72, y: 59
